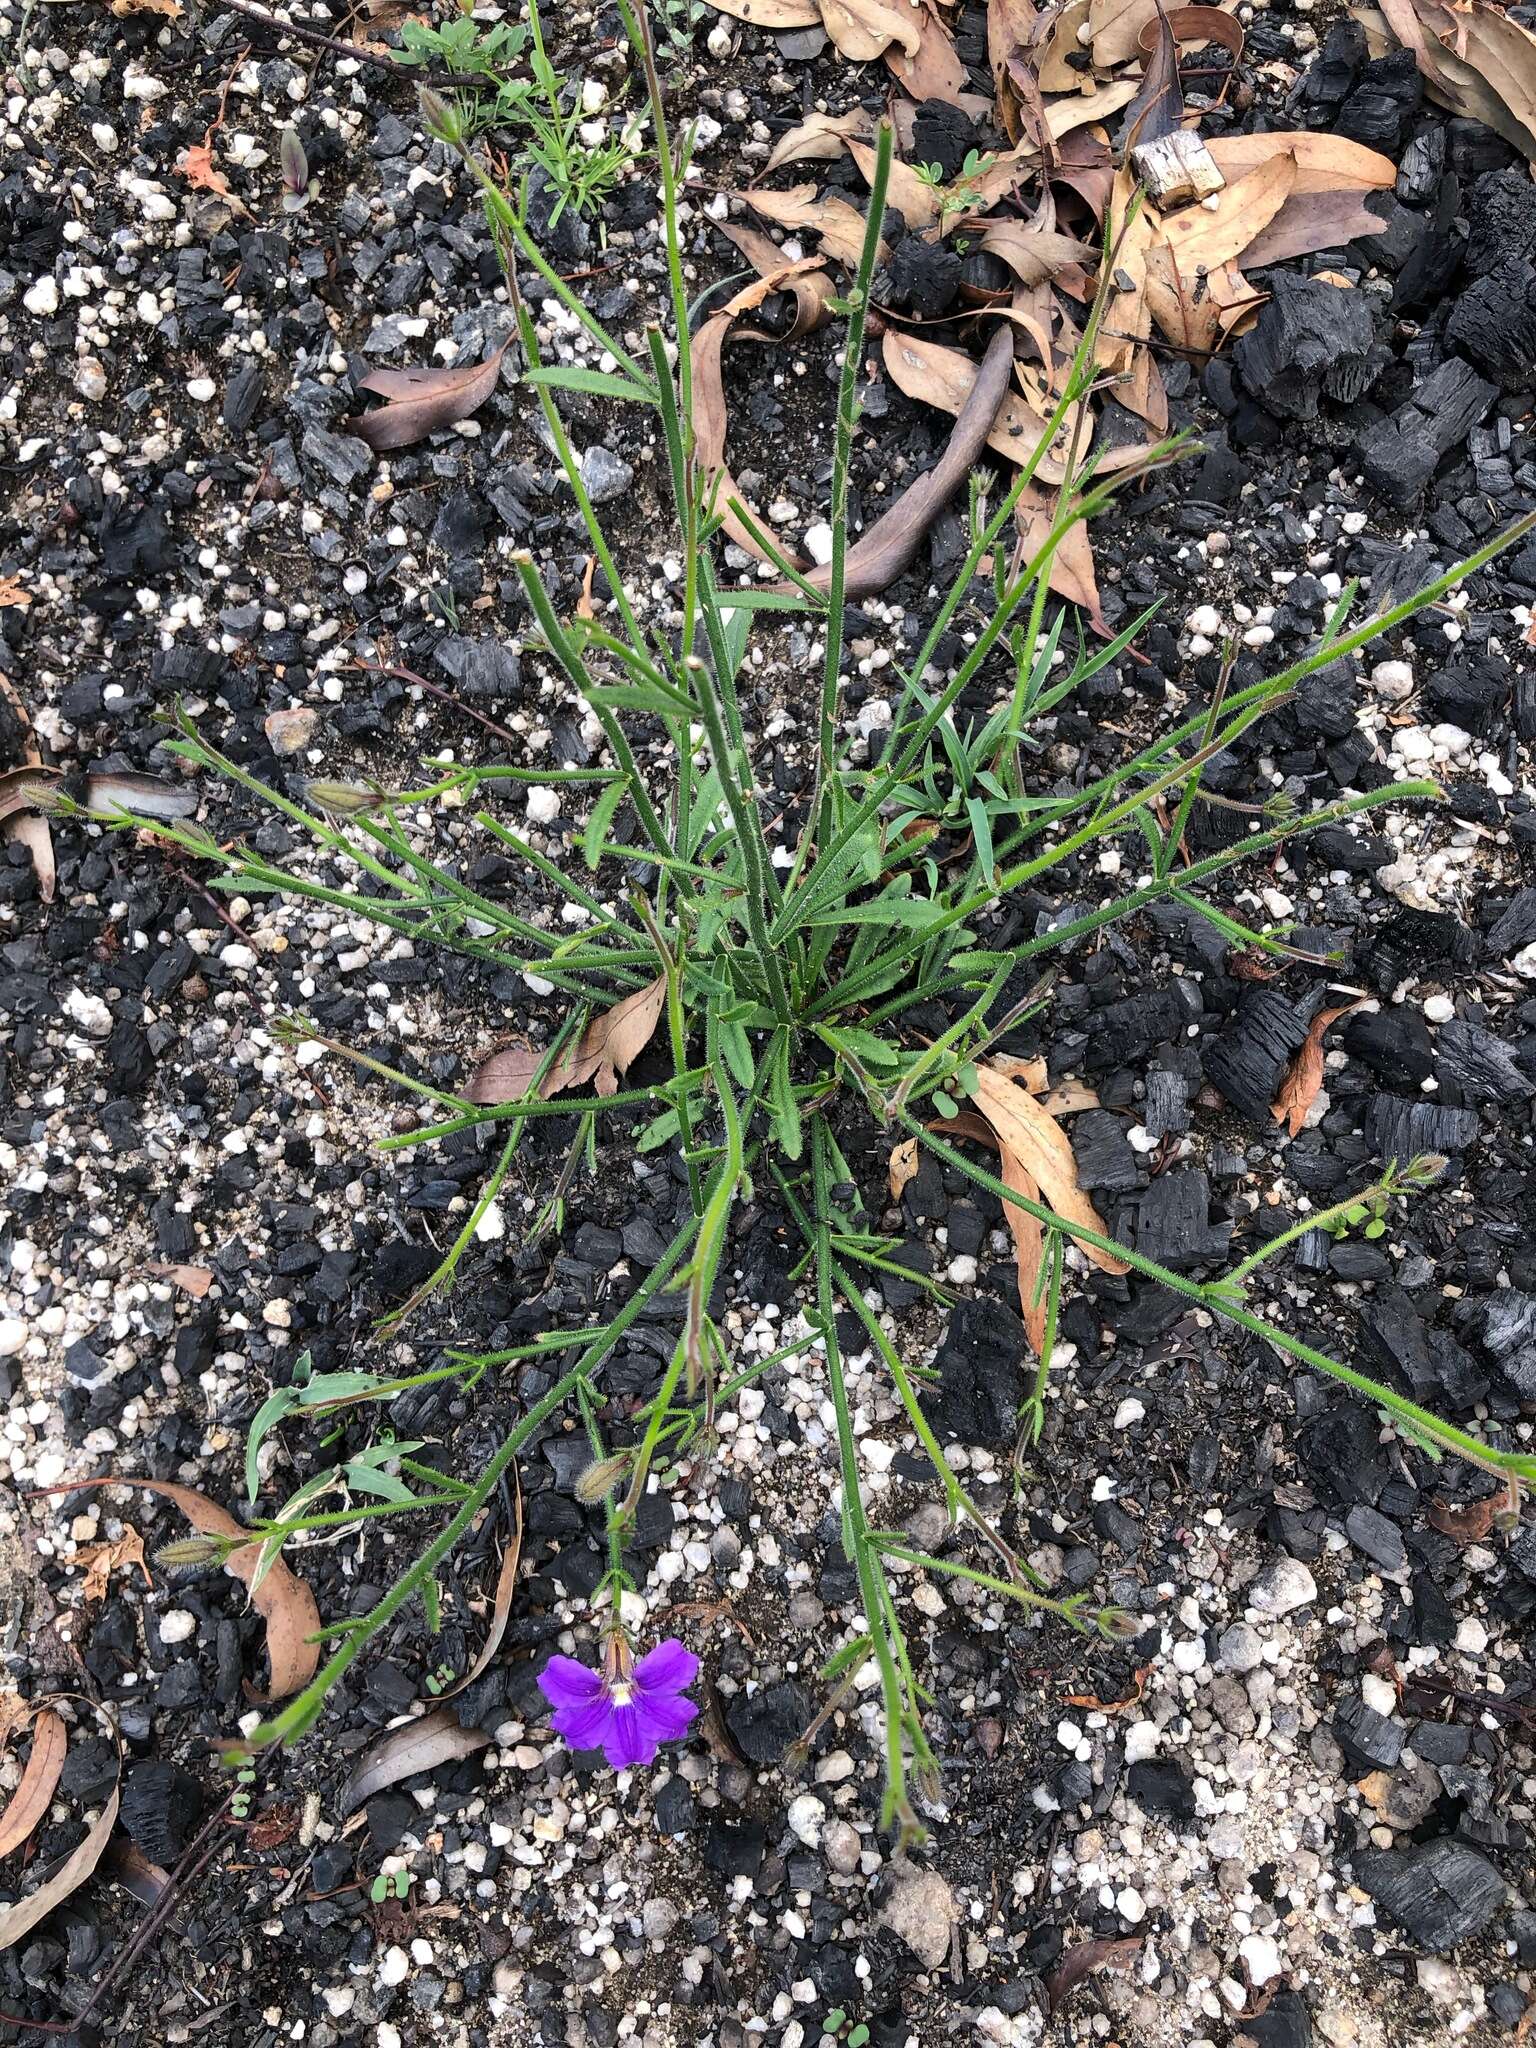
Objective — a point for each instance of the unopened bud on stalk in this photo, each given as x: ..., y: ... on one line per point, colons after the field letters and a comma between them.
x: 441, y: 117
x: 600, y: 1478
x: 189, y: 1550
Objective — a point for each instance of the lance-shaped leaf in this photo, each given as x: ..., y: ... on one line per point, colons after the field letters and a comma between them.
x: 29, y: 1803
x: 610, y: 1043
x: 424, y: 401
x: 1042, y: 1150
x: 423, y: 1745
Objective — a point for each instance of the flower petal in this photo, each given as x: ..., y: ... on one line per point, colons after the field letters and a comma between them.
x: 628, y: 1743
x: 565, y: 1683
x: 585, y: 1727
x: 665, y: 1720
x: 668, y: 1668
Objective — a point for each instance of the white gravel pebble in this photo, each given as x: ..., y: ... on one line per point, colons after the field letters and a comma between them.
x: 1129, y: 1411
x: 177, y: 1626
x: 543, y: 805
x: 1282, y: 1587
x: 1261, y: 1955
x: 818, y: 543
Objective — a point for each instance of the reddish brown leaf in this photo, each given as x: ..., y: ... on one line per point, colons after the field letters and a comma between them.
x: 1082, y: 1959
x: 193, y: 1280
x: 1071, y: 568
x: 610, y: 1043
x: 13, y: 593
x: 28, y: 1805
x: 284, y: 1602
x: 1470, y: 1522
x: 1042, y: 1151
x: 813, y: 289
x: 423, y: 401
x: 1304, y: 1076
x: 100, y: 1560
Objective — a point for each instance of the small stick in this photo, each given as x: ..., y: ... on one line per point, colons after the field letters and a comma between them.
x: 409, y: 675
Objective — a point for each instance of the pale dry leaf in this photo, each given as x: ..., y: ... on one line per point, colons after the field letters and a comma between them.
x: 170, y: 9
x: 27, y: 1913
x: 1310, y: 221
x: 1011, y: 26
x: 1204, y: 237
x: 812, y: 288
x: 1324, y: 163
x: 420, y: 1745
x: 1035, y: 255
x: 903, y: 1166
x: 13, y: 593
x: 612, y: 1040
x: 1041, y: 1149
x: 934, y: 71
x: 1200, y: 311
x: 1114, y: 31
x: 1304, y: 1076
x: 916, y: 202
x: 1067, y: 1098
x: 945, y: 377
x: 1032, y: 1073
x: 423, y: 401
x: 283, y: 1600
x: 865, y: 29
x: 196, y: 165
x: 193, y: 1280
x: 1058, y: 44
x: 501, y: 1600
x: 840, y: 226
x: 772, y: 14
x: 35, y: 834
x: 28, y: 1805
x: 819, y: 138
x: 102, y: 1559
x: 1027, y: 1231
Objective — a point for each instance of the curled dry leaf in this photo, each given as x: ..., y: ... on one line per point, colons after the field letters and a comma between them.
x: 1304, y: 1076
x: 812, y: 289
x: 934, y: 71
x: 501, y: 1600
x: 1082, y: 1959
x: 1071, y: 573
x: 819, y: 138
x: 29, y: 1803
x: 903, y: 1166
x: 284, y: 1602
x: 18, y: 1920
x: 1310, y: 221
x: 1466, y: 1522
x: 1058, y: 44
x: 1035, y: 255
x: 423, y: 401
x: 610, y: 1043
x: 1043, y: 1151
x: 1158, y: 107
x: 840, y: 226
x: 771, y: 13
x: 865, y: 29
x: 1475, y: 60
x: 13, y: 594
x: 101, y: 1560
x: 420, y: 1745
x: 946, y: 377
x: 875, y: 562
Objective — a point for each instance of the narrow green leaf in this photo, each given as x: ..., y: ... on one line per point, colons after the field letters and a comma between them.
x: 603, y: 813
x: 595, y: 383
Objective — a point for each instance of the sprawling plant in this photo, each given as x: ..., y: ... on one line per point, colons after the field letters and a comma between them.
x: 791, y: 976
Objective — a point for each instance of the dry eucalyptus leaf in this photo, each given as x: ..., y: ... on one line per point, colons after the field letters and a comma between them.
x: 903, y: 1167
x: 1042, y: 1150
x: 840, y: 226
x: 101, y: 1560
x: 819, y: 138
x: 609, y: 1044
x: 1058, y: 44
x: 1474, y: 60
x: 916, y: 202
x: 1310, y: 221
x: 1028, y: 1231
x: 934, y: 71
x: 28, y: 1805
x: 1035, y: 255
x: 865, y: 29
x: 1304, y: 1077
x: 423, y: 401
x: 946, y: 377
x: 19, y: 1920
x: 193, y: 1280
x: 1324, y: 163
x: 420, y: 1745
x: 1071, y: 574
x: 13, y: 593
x: 1205, y: 237
x: 773, y: 14
x: 812, y: 288
x: 284, y: 1602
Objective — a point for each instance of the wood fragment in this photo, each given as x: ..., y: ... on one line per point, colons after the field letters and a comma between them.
x: 1177, y: 168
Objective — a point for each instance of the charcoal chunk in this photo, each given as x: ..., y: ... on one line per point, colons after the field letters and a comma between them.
x: 1312, y: 341
x: 1442, y: 1892
x: 1394, y: 1043
x: 161, y: 1807
x: 1371, y: 1741
x: 1482, y: 1066
x: 1166, y: 1109
x: 1413, y: 941
x: 1162, y: 1785
x: 1105, y: 1159
x: 1402, y: 1130
x: 1435, y: 1366
x: 1173, y: 1223
x: 1248, y: 1057
x: 1379, y: 1538
x: 1401, y: 453
x: 1506, y: 1324
x: 1381, y: 109
x: 1501, y: 220
x: 1516, y: 928
x: 980, y: 1383
x: 1493, y: 323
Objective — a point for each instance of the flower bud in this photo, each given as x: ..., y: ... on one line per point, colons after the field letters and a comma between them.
x: 600, y: 1479
x: 441, y: 117
x: 188, y: 1550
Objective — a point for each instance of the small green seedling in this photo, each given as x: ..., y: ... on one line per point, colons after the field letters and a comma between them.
x: 394, y: 1884
x: 836, y: 2027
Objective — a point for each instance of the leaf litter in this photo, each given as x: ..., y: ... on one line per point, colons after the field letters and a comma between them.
x: 420, y: 402
x: 610, y: 1044
x: 28, y: 1805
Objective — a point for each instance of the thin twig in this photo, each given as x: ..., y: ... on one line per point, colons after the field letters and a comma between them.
x: 409, y: 675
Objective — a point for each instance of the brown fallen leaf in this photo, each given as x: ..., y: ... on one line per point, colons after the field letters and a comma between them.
x: 1082, y: 1959
x: 935, y: 70
x: 1035, y: 255
x: 1028, y: 1231
x: 171, y: 9
x: 13, y: 593
x: 1468, y: 1522
x: 903, y: 1167
x: 1324, y: 163
x: 1060, y: 42
x: 1474, y: 60
x: 283, y: 1600
x: 193, y: 1280
x: 1204, y: 237
x: 1043, y: 1151
x: 610, y: 1043
x: 28, y: 827
x: 1114, y: 31
x: 126, y: 1864
x: 865, y: 29
x: 1071, y: 572
x: 946, y: 377
x: 501, y: 1600
x: 1304, y: 1076
x: 28, y: 1805
x: 420, y: 1745
x: 915, y: 201
x: 1158, y: 107
x: 1011, y: 26
x: 27, y: 1913
x: 197, y: 167
x: 880, y: 555
x: 772, y: 13
x: 840, y: 226
x: 423, y: 401
x: 819, y: 138
x: 102, y: 1559
x: 1133, y: 1698
x: 1197, y: 312
x: 812, y: 288
x: 1310, y: 221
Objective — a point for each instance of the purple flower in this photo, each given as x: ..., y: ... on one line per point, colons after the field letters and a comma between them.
x: 627, y: 1709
